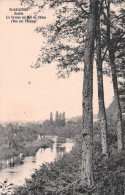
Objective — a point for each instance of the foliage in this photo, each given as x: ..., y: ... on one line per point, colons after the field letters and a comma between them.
x: 62, y: 177
x: 65, y: 35
x: 60, y: 119
x: 71, y: 129
x: 16, y: 139
x: 31, y: 148
x: 52, y: 178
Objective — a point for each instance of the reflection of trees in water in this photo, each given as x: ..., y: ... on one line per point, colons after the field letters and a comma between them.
x: 21, y: 162
x: 60, y: 150
x: 52, y: 148
x: 34, y: 159
x: 0, y: 166
x: 11, y: 162
x: 3, y: 165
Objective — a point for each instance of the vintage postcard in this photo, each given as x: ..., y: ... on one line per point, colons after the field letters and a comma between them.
x: 62, y: 97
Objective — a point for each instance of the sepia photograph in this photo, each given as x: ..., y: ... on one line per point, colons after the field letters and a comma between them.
x: 62, y: 97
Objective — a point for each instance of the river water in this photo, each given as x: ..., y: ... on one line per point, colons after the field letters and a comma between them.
x: 16, y: 173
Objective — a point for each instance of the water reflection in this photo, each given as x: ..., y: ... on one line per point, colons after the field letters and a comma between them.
x: 11, y: 162
x: 60, y: 150
x: 17, y: 172
x: 34, y: 159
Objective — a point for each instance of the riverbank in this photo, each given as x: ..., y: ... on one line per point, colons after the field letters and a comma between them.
x: 31, y: 148
x: 63, y: 176
x: 17, y: 174
x: 28, y: 149
x: 52, y: 178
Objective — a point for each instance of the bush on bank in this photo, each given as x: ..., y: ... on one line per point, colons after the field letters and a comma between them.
x: 31, y: 148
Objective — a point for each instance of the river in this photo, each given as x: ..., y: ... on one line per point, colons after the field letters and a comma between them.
x: 16, y: 173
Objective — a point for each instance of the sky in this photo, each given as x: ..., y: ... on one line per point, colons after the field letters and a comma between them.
x: 28, y: 94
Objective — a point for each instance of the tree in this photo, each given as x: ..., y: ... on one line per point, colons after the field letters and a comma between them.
x: 119, y: 36
x: 87, y: 146
x: 57, y: 118
x: 51, y: 118
x: 102, y: 112
x: 64, y: 118
x: 112, y: 34
x: 70, y: 41
x: 111, y: 49
x: 62, y: 121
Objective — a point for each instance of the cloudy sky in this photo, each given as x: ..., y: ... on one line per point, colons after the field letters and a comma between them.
x: 29, y: 94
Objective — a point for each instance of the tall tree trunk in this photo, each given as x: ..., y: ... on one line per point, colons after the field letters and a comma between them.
x: 115, y: 84
x: 102, y: 113
x: 87, y: 144
x: 117, y: 101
